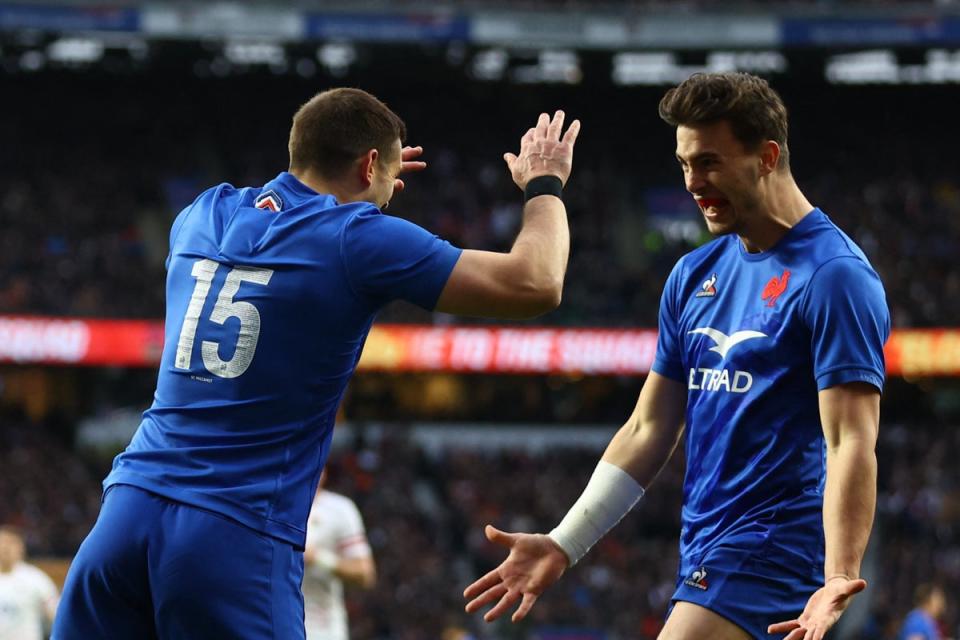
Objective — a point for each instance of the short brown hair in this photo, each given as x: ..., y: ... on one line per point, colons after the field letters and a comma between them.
x: 755, y: 111
x: 923, y: 593
x: 337, y: 126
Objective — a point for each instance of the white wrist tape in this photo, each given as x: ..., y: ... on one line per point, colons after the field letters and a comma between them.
x: 610, y: 495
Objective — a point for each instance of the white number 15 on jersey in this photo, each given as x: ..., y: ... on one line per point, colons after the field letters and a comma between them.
x: 226, y: 307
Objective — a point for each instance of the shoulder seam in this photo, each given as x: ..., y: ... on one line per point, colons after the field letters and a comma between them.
x: 806, y: 293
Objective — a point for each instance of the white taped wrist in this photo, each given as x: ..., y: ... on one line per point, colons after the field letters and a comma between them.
x: 610, y: 495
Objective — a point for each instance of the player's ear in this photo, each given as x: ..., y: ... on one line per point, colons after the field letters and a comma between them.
x: 368, y: 166
x: 769, y: 157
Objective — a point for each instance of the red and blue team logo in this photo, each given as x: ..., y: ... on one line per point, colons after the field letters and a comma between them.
x: 775, y: 288
x: 269, y: 200
x: 709, y: 288
x: 698, y: 579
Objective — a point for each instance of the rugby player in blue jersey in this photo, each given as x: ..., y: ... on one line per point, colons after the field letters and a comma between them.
x: 770, y: 358
x: 270, y: 294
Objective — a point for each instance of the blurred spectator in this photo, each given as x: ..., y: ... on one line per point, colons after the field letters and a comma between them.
x: 923, y: 622
x: 87, y: 199
x: 28, y: 597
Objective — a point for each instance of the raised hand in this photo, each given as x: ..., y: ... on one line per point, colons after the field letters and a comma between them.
x: 543, y: 152
x: 535, y: 562
x: 408, y: 163
x: 822, y: 611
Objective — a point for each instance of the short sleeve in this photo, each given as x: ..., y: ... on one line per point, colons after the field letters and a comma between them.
x: 668, y: 361
x: 388, y: 258
x: 352, y: 538
x: 845, y: 309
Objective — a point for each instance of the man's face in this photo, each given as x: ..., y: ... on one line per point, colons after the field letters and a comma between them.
x: 721, y: 174
x: 938, y: 603
x: 384, y: 179
x: 11, y: 549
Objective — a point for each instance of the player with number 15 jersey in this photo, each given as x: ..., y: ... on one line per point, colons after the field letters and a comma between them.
x: 271, y: 292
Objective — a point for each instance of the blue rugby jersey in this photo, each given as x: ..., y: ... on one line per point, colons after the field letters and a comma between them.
x: 754, y: 337
x: 270, y: 295
x: 921, y: 624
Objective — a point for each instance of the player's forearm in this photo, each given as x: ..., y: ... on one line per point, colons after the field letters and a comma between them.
x: 849, y: 503
x: 642, y: 449
x: 542, y: 247
x: 357, y: 572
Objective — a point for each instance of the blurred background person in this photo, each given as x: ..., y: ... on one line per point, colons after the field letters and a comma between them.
x: 923, y: 623
x: 28, y: 597
x: 337, y: 554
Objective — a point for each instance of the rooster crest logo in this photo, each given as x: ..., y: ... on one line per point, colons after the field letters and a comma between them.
x: 775, y: 288
x: 708, y: 289
x: 698, y: 579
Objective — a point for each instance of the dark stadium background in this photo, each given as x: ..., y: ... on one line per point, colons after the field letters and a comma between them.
x: 106, y: 130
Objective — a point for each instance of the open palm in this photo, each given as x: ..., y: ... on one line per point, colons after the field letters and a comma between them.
x: 822, y: 611
x: 534, y: 563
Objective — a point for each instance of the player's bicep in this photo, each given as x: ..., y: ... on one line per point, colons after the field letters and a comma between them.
x: 645, y: 442
x: 495, y: 285
x: 850, y: 412
x: 662, y: 405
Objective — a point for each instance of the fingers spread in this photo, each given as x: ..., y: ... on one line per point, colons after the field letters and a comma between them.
x: 798, y: 634
x: 412, y: 165
x: 524, y: 608
x: 783, y: 627
x: 542, y: 125
x: 507, y: 601
x: 410, y: 153
x: 556, y: 126
x: 570, y: 137
x: 488, y: 596
x: 481, y: 585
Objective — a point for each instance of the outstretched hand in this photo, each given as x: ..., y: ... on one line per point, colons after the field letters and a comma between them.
x: 822, y: 611
x: 535, y: 562
x: 543, y: 152
x: 408, y: 163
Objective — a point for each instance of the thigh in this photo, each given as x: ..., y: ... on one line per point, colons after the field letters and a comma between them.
x: 216, y: 579
x: 748, y: 591
x: 688, y: 621
x: 106, y: 594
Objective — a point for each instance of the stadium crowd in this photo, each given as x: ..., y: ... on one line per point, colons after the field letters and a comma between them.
x: 425, y: 512
x: 86, y: 217
x: 85, y: 224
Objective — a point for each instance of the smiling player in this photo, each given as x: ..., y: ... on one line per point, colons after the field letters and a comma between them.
x: 771, y: 353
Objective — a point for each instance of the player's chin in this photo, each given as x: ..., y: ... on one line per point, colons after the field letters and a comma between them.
x: 720, y: 227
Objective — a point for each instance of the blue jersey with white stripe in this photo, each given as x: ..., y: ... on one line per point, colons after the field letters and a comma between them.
x: 270, y: 295
x: 754, y: 337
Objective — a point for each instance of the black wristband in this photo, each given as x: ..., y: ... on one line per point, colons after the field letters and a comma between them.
x: 543, y: 186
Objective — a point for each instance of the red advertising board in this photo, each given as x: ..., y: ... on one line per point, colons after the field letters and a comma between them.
x: 481, y: 349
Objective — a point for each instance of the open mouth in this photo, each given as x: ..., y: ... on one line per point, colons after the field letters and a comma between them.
x: 711, y: 207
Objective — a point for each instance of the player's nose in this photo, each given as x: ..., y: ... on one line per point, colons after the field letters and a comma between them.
x: 694, y: 182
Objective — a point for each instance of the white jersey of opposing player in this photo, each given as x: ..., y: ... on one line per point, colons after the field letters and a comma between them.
x: 335, y: 526
x: 26, y: 595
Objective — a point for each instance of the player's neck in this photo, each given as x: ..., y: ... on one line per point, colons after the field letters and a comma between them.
x: 329, y: 187
x: 6, y: 568
x: 782, y: 205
